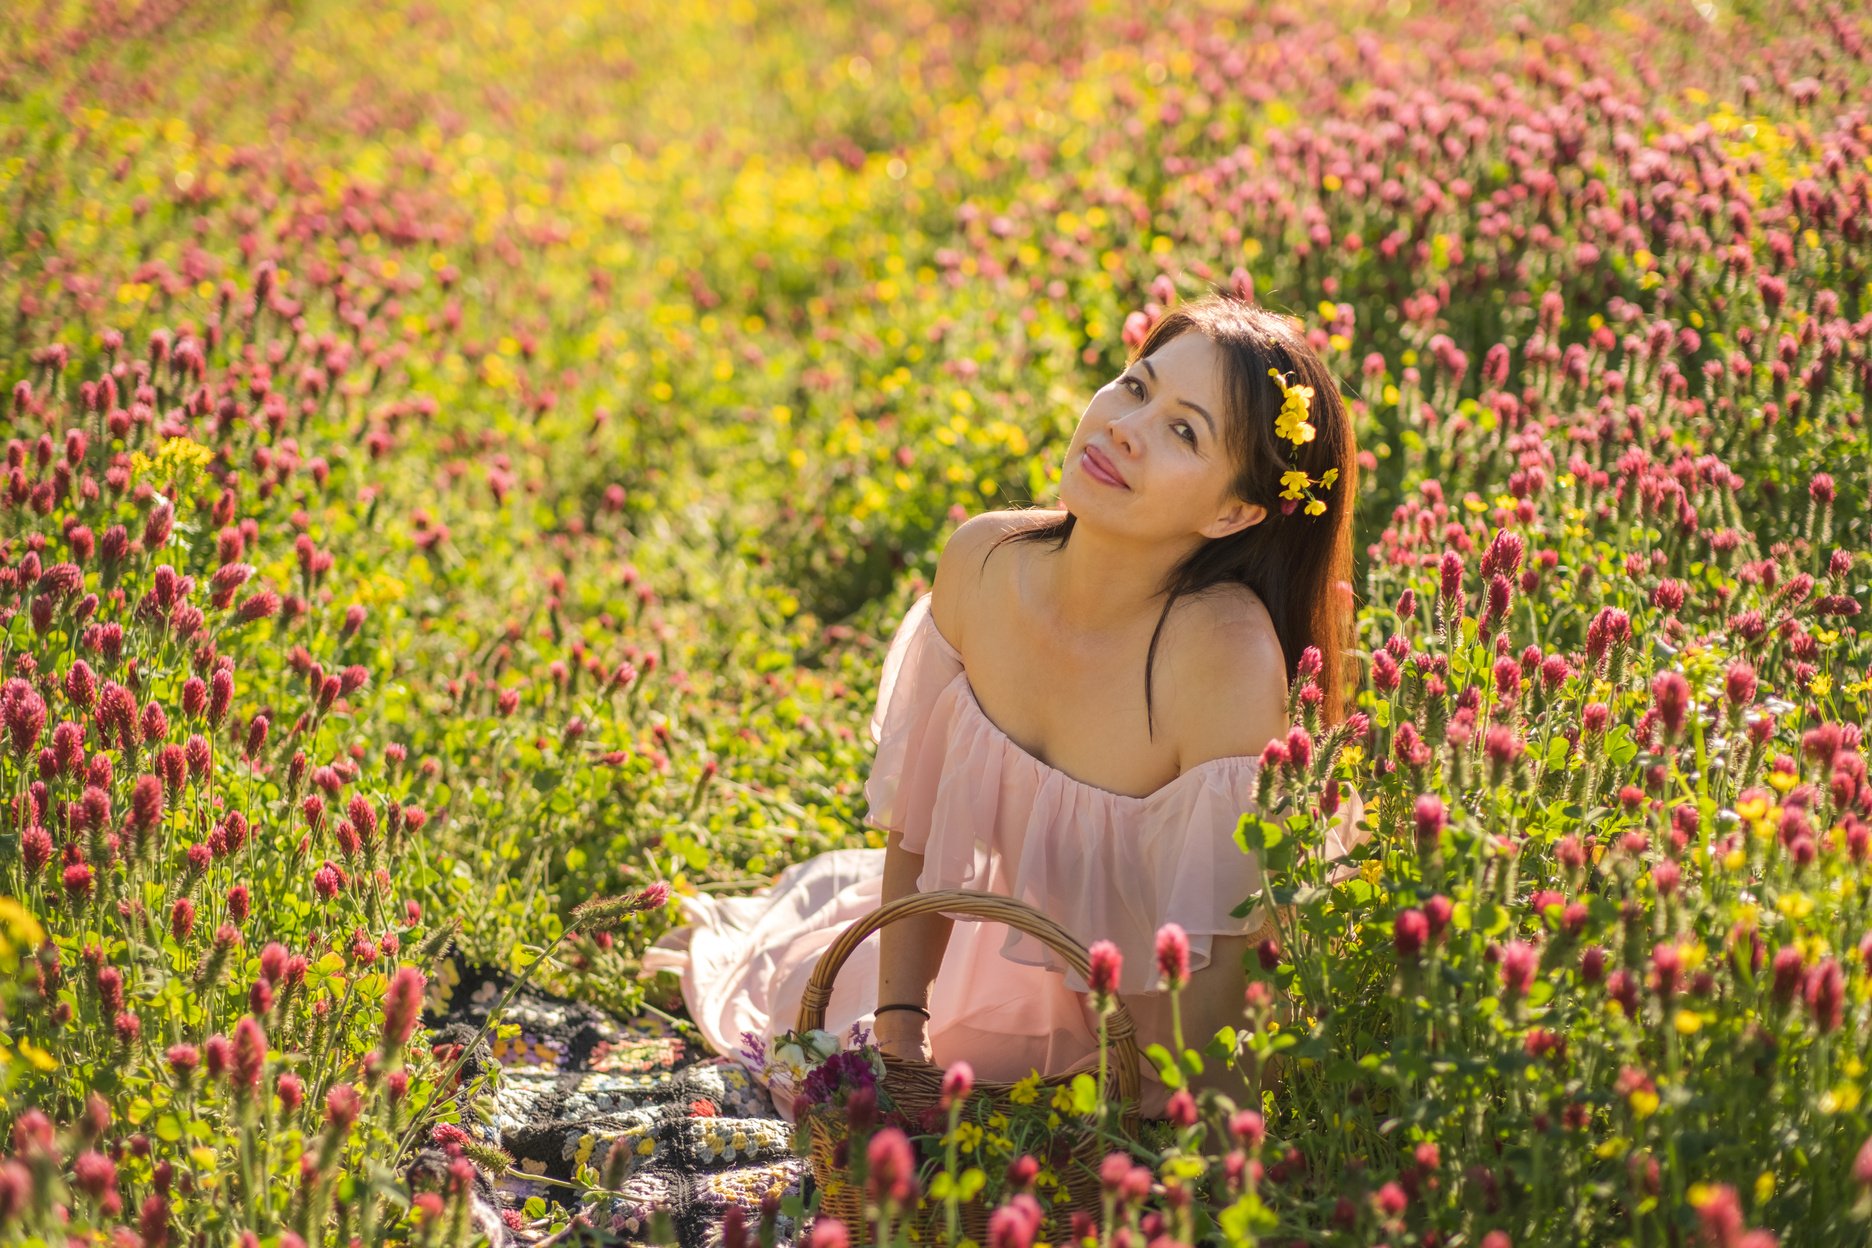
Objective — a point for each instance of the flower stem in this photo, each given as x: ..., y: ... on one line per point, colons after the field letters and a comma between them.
x: 420, y: 1120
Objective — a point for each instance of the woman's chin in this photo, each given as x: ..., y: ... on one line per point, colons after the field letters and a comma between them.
x: 1086, y: 497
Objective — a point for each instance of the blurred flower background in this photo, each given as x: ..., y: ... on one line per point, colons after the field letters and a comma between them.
x: 465, y: 459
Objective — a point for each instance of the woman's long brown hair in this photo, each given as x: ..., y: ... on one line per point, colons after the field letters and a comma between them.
x: 1294, y: 562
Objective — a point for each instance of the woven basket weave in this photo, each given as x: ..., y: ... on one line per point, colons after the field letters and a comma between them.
x: 916, y: 1085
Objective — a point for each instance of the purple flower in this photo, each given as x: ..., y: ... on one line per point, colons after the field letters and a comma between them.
x: 845, y: 1071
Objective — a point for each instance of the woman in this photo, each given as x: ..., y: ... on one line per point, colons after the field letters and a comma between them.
x: 1074, y: 716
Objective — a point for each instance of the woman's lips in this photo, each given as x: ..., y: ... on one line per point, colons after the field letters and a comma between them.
x: 1100, y: 469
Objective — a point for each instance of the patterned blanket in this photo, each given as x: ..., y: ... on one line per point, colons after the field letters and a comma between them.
x: 578, y: 1082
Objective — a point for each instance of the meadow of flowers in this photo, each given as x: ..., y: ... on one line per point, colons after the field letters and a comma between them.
x: 463, y: 460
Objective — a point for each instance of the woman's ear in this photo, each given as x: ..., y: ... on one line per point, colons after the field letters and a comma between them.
x: 1238, y: 516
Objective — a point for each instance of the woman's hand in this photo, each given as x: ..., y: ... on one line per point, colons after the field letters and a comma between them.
x: 904, y: 1034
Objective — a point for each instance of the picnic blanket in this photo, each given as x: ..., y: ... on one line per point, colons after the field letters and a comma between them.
x: 577, y: 1082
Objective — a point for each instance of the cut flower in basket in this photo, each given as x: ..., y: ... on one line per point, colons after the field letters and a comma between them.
x: 816, y: 1066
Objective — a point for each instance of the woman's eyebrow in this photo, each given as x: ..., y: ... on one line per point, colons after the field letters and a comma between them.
x: 1196, y: 407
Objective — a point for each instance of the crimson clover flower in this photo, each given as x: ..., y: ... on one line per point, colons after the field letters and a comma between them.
x: 1106, y: 964
x: 891, y: 1178
x: 1173, y: 955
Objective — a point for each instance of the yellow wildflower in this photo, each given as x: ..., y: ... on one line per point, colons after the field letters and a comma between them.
x: 1292, y: 422
x: 967, y: 1137
x: 1293, y: 425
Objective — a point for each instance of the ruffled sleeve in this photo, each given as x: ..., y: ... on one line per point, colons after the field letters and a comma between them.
x: 920, y: 667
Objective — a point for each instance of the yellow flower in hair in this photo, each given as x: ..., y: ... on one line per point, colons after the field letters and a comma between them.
x: 1294, y: 427
x: 1292, y: 423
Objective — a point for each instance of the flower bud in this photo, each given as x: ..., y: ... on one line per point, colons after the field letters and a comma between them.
x: 957, y: 1082
x: 1173, y: 955
x: 1248, y: 1128
x: 1107, y: 964
x: 1430, y: 817
x: 892, y: 1167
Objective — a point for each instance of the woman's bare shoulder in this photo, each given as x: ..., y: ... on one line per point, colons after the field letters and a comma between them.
x: 1231, y: 669
x: 959, y: 569
x: 979, y: 531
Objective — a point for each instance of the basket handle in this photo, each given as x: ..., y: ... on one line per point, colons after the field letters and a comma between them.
x: 990, y: 907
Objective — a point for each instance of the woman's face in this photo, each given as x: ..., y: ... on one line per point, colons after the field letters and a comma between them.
x: 1148, y: 457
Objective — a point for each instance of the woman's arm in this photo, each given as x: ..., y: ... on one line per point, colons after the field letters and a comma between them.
x: 910, y: 951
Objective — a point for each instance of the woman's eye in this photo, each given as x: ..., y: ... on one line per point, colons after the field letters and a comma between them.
x: 1185, y: 430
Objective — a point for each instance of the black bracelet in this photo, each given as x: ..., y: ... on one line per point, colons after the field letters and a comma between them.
x: 901, y: 1006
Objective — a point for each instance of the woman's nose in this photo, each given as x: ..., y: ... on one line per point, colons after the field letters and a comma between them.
x: 1123, y: 431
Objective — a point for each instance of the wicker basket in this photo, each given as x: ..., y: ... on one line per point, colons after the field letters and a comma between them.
x: 915, y: 1085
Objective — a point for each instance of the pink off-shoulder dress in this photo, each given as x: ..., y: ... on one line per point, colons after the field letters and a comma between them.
x: 985, y: 815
